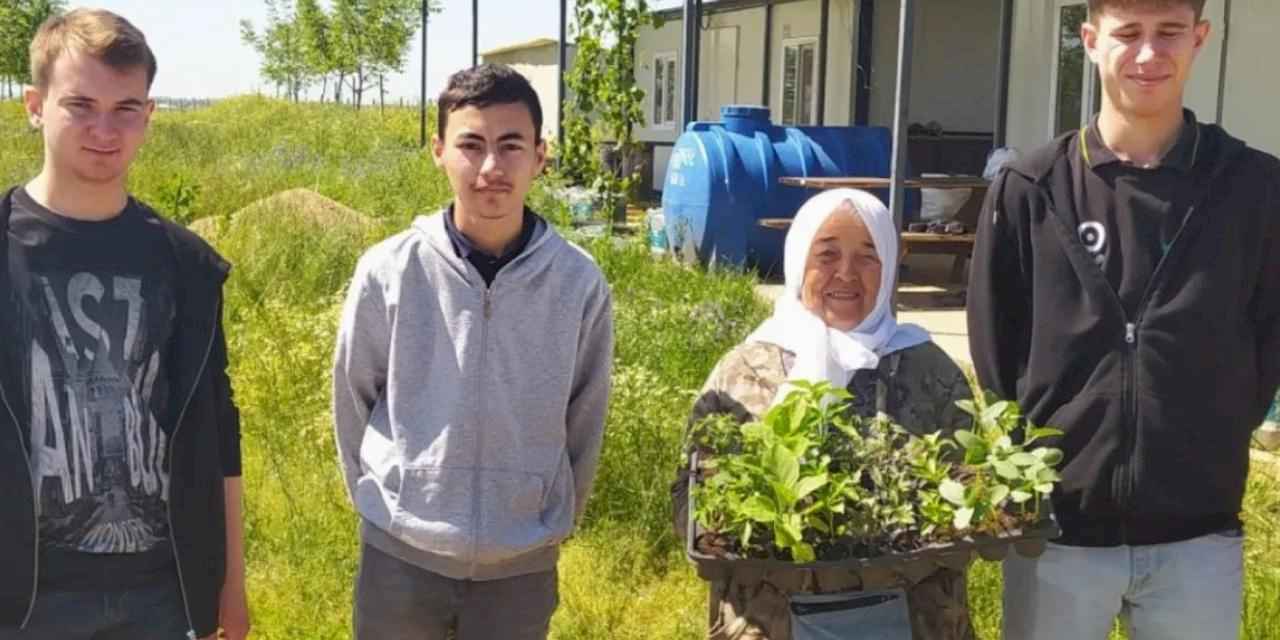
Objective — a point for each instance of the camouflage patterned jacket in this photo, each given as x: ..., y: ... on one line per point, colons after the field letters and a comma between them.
x: 918, y: 388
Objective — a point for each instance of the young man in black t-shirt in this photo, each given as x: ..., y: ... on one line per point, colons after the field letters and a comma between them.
x: 119, y: 439
x: 1126, y: 289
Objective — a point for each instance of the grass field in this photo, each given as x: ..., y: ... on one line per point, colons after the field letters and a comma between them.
x: 622, y: 576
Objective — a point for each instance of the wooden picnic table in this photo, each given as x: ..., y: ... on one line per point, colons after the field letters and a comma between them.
x: 958, y: 245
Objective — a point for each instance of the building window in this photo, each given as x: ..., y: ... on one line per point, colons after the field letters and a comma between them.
x: 799, y: 82
x: 663, y: 115
x: 1075, y: 87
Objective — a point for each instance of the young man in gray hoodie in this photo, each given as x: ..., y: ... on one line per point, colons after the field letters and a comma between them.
x: 471, y: 381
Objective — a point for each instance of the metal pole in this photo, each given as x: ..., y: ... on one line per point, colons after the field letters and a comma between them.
x: 863, y: 60
x: 564, y: 60
x: 475, y: 32
x: 1004, y: 54
x: 823, y: 20
x: 687, y: 112
x: 1222, y: 68
x: 902, y: 102
x: 422, y: 105
x: 768, y: 53
x: 697, y: 56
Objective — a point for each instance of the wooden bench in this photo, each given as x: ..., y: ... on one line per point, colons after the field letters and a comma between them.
x: 958, y: 245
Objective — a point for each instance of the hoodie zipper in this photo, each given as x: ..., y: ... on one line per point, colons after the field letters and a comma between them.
x: 1124, y: 476
x: 173, y: 538
x: 35, y: 512
x: 487, y: 313
x: 1129, y: 479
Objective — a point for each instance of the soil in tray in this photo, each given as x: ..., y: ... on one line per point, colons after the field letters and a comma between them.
x: 723, y: 547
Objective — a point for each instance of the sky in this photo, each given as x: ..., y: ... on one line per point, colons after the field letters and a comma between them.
x: 197, y: 42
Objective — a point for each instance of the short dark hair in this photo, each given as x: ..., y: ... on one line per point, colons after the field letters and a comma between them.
x: 485, y: 85
x: 1096, y: 7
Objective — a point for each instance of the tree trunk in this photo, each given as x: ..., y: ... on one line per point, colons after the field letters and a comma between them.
x: 337, y: 88
x: 382, y: 95
x: 324, y: 87
x: 359, y: 89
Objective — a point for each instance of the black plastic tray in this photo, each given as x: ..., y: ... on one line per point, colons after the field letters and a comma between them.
x: 1028, y: 542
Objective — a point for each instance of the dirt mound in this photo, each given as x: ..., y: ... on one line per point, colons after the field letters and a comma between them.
x: 207, y: 228
x: 295, y: 206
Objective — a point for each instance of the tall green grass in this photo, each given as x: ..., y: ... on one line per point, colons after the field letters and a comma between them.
x: 622, y: 576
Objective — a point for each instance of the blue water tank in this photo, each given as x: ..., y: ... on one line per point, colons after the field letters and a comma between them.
x: 723, y: 178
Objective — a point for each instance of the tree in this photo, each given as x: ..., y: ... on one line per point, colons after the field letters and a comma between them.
x: 392, y: 24
x: 371, y: 39
x: 353, y: 43
x: 318, y: 45
x: 19, y: 21
x: 281, y: 45
x: 605, y: 103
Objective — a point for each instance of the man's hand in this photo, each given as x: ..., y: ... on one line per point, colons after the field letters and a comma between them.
x: 233, y: 605
x: 233, y: 611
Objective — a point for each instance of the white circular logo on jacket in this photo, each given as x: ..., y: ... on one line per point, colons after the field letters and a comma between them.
x: 1094, y: 237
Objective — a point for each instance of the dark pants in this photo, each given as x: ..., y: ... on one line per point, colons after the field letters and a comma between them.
x: 395, y: 600
x: 153, y: 613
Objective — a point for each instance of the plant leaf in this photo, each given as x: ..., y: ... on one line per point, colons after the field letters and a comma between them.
x: 759, y: 508
x: 1023, y: 459
x: 967, y: 439
x: 802, y: 553
x: 952, y: 492
x: 998, y: 494
x: 810, y: 484
x: 782, y: 465
x: 1019, y: 496
x: 1051, y: 457
x: 976, y: 455
x: 1042, y: 432
x: 784, y: 494
x: 994, y: 411
x: 963, y: 518
x: 1006, y: 469
x: 791, y: 530
x: 820, y: 526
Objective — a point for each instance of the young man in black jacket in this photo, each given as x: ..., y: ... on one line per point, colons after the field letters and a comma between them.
x: 1126, y: 289
x: 119, y: 439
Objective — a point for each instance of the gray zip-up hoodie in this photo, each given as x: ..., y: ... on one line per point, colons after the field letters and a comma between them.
x: 469, y: 420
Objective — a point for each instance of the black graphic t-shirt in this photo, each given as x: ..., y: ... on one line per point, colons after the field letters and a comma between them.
x: 97, y: 309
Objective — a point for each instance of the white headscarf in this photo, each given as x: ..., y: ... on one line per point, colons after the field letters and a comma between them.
x: 822, y: 352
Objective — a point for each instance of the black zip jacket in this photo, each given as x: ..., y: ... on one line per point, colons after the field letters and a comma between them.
x: 1158, y: 408
x: 204, y: 447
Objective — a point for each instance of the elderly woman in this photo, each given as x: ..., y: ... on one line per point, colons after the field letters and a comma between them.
x: 834, y: 322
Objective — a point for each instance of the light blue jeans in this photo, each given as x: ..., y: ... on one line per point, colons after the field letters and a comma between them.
x: 1189, y: 590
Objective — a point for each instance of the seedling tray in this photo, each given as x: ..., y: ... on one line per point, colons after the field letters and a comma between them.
x: 1027, y: 542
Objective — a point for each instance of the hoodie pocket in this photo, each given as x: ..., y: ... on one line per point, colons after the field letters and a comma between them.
x: 435, y: 510
x: 520, y: 513
x: 472, y: 515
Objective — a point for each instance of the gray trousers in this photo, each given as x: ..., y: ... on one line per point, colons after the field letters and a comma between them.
x: 1190, y: 590
x: 395, y: 600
